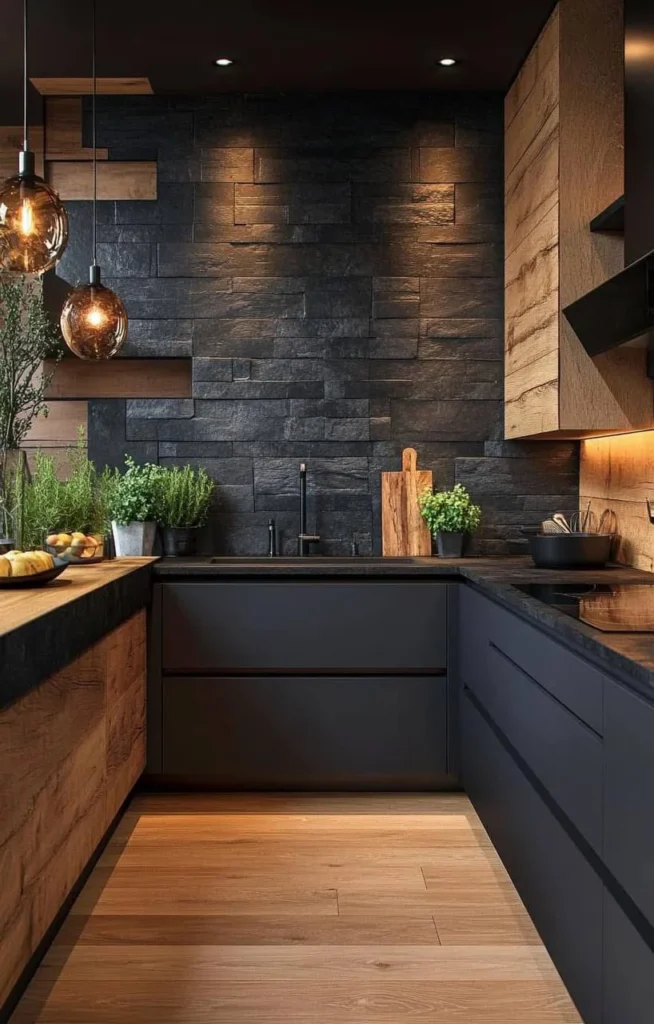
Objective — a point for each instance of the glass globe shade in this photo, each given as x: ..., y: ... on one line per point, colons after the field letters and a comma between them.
x: 33, y: 225
x: 94, y: 320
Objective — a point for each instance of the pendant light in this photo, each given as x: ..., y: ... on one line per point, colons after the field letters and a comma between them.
x: 94, y: 320
x: 33, y: 220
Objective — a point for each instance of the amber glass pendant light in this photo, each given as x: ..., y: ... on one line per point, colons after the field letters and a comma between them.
x: 33, y: 220
x: 94, y: 320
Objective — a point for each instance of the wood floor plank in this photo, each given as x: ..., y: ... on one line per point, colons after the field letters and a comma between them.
x: 380, y: 1002
x: 175, y: 929
x: 308, y: 909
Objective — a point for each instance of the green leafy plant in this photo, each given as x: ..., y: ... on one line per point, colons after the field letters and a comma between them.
x: 27, y: 337
x: 132, y: 496
x: 183, y: 497
x: 449, y: 511
x: 76, y: 502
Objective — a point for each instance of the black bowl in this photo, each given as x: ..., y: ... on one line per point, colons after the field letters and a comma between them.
x: 570, y: 550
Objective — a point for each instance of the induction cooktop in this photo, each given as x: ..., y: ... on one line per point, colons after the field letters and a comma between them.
x: 609, y: 607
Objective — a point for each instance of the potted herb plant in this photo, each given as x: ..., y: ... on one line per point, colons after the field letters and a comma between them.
x: 67, y: 509
x: 183, y: 497
x: 450, y: 515
x: 131, y: 499
x: 27, y: 337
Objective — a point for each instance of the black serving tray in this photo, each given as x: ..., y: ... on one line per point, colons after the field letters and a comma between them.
x: 39, y: 579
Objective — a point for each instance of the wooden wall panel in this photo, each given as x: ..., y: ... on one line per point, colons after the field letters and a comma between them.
x: 11, y: 141
x: 117, y: 179
x: 120, y: 378
x: 617, y: 472
x: 531, y: 241
x: 70, y: 751
x: 63, y: 130
x: 126, y: 86
x: 611, y: 391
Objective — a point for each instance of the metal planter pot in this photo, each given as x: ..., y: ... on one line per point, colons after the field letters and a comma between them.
x: 180, y: 541
x: 134, y: 539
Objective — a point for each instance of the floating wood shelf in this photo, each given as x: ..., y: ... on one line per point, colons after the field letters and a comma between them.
x: 119, y: 378
x: 611, y: 219
x: 134, y: 86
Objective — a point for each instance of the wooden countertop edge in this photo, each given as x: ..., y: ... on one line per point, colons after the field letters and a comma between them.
x: 20, y: 607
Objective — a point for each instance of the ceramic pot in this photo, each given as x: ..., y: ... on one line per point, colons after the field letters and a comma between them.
x: 133, y: 539
x: 449, y: 545
x: 179, y: 541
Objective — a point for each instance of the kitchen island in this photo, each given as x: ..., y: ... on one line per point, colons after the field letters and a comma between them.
x: 72, y: 738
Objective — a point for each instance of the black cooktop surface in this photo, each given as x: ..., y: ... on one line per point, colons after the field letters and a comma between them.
x: 610, y: 607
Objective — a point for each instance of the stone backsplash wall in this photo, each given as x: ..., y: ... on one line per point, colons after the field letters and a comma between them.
x: 333, y: 266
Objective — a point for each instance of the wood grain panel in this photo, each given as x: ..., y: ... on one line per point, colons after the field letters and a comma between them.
x: 544, y: 50
x: 63, y: 130
x: 611, y: 391
x: 11, y: 141
x: 125, y: 86
x: 531, y: 346
x: 117, y: 179
x: 60, y: 427
x: 617, y: 472
x: 120, y: 378
x: 63, y: 776
x: 531, y: 388
x: 140, y: 947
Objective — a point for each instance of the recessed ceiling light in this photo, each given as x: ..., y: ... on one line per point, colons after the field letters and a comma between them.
x: 223, y: 62
x: 447, y: 62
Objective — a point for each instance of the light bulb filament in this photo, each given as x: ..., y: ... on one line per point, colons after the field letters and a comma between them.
x: 95, y: 317
x: 26, y: 218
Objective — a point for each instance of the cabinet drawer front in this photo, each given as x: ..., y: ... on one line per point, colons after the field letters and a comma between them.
x: 315, y: 625
x: 309, y: 733
x: 628, y: 786
x: 564, y: 754
x: 560, y: 890
x: 573, y: 681
x: 628, y: 970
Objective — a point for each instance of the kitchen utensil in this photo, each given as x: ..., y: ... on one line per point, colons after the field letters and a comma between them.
x: 584, y: 522
x: 608, y: 522
x: 549, y: 526
x: 570, y: 550
x: 39, y: 579
x: 404, y: 531
x: 561, y: 521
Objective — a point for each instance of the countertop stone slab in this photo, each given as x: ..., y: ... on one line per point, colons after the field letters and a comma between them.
x: 628, y: 656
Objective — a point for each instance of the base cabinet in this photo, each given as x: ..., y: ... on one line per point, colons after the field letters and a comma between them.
x: 561, y: 891
x: 628, y: 973
x: 298, y: 732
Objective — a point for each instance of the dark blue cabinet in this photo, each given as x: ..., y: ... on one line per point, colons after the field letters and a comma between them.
x: 557, y: 885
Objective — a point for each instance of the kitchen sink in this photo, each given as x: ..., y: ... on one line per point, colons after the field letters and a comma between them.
x: 311, y: 560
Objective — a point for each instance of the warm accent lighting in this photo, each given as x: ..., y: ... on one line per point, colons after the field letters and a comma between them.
x: 33, y: 220
x: 94, y: 320
x: 447, y: 62
x: 223, y: 62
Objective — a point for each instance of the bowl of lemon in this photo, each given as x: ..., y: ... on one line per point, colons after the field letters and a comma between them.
x: 29, y: 568
x: 76, y: 548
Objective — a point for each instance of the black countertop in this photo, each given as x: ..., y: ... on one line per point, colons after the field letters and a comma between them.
x: 630, y: 656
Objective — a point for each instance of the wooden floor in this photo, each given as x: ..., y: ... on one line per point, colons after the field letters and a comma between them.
x: 286, y: 909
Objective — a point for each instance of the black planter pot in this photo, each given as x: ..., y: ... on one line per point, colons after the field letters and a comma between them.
x: 179, y: 541
x: 449, y: 545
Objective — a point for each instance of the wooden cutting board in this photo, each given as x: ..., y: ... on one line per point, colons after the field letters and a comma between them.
x: 404, y: 531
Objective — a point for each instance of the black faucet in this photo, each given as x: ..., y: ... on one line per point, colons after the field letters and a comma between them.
x: 304, y: 539
x: 272, y: 539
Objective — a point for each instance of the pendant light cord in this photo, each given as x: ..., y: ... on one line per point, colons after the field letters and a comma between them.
x: 25, y: 140
x: 95, y: 159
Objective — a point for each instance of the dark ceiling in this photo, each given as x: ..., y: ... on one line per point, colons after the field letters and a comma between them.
x: 276, y: 44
